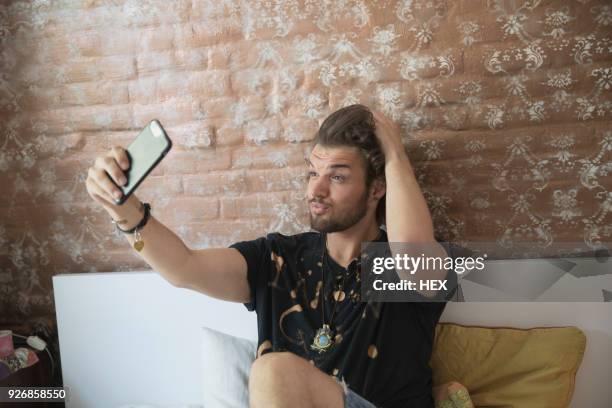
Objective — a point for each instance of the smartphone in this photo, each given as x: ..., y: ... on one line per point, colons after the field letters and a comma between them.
x: 144, y: 153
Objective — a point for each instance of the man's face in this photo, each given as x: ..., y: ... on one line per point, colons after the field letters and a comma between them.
x: 337, y: 194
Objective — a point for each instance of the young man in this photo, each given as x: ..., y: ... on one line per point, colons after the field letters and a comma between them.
x: 319, y: 344
x: 307, y: 285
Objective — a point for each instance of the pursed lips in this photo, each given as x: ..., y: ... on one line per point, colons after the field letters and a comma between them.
x: 318, y: 208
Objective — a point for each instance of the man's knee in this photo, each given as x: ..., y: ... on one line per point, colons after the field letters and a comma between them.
x: 273, y: 380
x: 272, y: 368
x: 279, y: 377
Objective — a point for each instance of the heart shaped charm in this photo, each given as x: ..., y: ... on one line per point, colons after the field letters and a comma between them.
x: 138, y: 245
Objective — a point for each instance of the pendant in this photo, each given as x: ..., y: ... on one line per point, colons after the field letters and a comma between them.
x: 139, y: 243
x: 322, y: 340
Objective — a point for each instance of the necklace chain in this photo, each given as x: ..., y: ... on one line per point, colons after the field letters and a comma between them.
x: 323, y: 267
x: 324, y: 337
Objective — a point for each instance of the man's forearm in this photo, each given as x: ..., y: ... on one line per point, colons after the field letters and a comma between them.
x: 163, y: 250
x: 407, y: 216
x: 409, y: 222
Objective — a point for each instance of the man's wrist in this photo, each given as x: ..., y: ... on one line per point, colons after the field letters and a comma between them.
x: 396, y: 156
x: 129, y: 214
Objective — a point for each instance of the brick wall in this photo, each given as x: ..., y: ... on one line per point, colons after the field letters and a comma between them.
x: 505, y: 107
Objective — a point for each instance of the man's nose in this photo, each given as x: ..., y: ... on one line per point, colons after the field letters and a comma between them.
x: 319, y: 187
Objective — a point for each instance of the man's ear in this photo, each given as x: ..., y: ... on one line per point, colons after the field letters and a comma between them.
x: 379, y: 187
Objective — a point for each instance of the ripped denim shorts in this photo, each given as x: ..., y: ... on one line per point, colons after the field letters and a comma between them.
x: 352, y: 399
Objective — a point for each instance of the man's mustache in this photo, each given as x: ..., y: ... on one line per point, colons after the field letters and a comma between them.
x: 314, y: 200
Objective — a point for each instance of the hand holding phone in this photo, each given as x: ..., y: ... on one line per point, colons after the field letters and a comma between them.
x: 117, y: 174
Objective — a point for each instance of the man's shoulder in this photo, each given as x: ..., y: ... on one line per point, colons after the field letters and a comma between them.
x: 303, y: 238
x: 280, y: 241
x: 297, y: 246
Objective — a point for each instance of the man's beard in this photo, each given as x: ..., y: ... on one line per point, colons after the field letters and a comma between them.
x: 342, y: 221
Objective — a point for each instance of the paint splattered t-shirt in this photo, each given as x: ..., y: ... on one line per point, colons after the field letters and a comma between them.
x: 381, y: 350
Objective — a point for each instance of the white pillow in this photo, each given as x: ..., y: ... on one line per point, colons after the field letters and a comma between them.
x: 226, y: 363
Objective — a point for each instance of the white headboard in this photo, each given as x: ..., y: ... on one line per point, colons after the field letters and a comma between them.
x: 131, y: 337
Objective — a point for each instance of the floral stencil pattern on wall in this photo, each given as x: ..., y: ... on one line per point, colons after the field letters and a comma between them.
x: 505, y: 107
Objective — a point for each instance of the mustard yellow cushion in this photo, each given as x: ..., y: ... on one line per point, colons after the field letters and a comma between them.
x: 509, y: 367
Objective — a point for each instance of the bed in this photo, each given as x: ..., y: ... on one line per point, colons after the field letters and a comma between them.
x: 130, y: 339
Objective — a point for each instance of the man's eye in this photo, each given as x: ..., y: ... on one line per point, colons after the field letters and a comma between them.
x: 338, y: 178
x: 312, y: 174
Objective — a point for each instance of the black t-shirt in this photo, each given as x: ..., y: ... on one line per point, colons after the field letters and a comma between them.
x: 382, y: 349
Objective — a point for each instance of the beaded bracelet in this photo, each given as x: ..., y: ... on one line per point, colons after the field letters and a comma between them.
x: 140, y: 225
x: 138, y: 243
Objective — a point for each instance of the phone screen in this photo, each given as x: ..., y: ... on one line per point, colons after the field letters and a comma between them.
x: 144, y: 153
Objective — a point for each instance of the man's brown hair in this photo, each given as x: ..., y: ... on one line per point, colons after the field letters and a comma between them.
x: 353, y: 126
